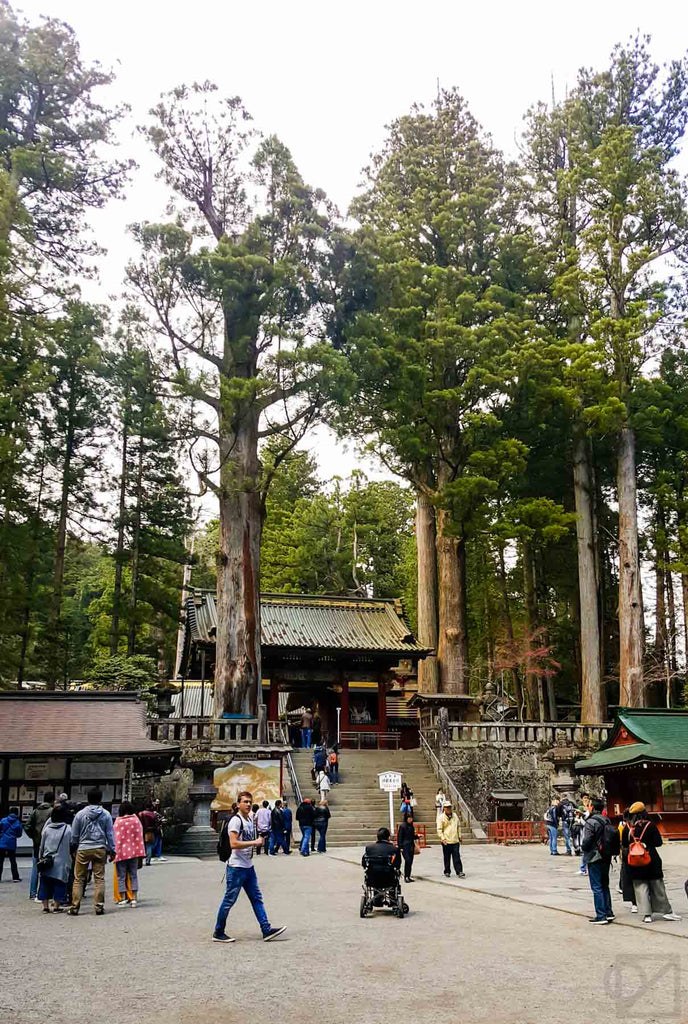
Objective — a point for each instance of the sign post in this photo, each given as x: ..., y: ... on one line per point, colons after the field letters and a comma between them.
x: 390, y: 782
x: 339, y: 712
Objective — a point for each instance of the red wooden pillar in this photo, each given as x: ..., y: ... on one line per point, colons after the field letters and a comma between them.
x: 344, y: 717
x: 273, y: 700
x: 381, y: 705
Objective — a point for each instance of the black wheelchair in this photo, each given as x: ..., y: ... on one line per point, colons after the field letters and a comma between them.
x: 381, y: 888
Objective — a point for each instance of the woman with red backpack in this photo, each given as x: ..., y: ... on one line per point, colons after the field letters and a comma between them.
x: 644, y: 865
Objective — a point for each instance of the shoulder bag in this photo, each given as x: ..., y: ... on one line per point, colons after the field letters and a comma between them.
x: 45, y: 863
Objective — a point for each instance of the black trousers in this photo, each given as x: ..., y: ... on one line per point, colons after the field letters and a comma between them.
x: 408, y: 855
x: 452, y: 853
x: 13, y: 863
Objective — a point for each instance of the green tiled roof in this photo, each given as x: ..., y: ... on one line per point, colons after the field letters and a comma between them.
x: 662, y: 737
x: 317, y: 622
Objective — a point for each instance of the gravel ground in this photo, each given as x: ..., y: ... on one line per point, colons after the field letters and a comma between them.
x: 460, y: 955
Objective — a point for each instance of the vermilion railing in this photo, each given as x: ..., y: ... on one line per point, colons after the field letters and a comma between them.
x: 515, y: 831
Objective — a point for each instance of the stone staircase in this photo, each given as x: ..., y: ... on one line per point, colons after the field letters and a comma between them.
x: 359, y: 807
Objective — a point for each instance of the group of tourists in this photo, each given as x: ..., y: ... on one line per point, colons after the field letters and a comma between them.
x: 73, y: 843
x: 325, y: 769
x: 273, y: 826
x: 633, y: 840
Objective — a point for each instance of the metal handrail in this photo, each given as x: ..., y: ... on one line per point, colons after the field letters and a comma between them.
x: 443, y: 775
x: 295, y: 788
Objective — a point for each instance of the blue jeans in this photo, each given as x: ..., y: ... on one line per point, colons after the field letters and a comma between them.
x: 149, y: 851
x: 598, y: 873
x: 277, y: 840
x: 33, y: 884
x: 567, y: 836
x: 306, y: 737
x: 157, y: 847
x: 552, y: 830
x: 306, y: 840
x: 322, y: 831
x: 583, y: 866
x: 238, y: 879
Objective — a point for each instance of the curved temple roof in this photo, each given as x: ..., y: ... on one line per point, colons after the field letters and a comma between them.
x: 641, y: 735
x: 312, y: 621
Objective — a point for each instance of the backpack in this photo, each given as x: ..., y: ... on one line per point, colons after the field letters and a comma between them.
x: 224, y: 849
x: 609, y: 844
x: 638, y: 853
x: 551, y: 817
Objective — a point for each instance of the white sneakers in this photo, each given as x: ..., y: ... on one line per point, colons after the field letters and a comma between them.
x: 671, y: 917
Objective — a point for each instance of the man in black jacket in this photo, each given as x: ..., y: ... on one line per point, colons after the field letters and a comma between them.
x: 305, y: 816
x: 598, y: 864
x: 277, y: 837
x: 382, y: 858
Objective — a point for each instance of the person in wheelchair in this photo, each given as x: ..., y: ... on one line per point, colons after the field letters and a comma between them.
x: 382, y: 863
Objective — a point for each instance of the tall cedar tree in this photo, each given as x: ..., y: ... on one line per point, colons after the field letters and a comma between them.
x: 447, y: 258
x: 154, y: 515
x: 242, y: 315
x: 630, y: 120
x: 52, y: 132
x: 76, y: 417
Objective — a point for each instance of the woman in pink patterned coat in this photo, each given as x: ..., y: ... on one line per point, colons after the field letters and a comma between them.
x: 129, y: 847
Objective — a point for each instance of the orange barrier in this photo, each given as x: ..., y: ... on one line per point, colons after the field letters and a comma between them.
x: 516, y: 832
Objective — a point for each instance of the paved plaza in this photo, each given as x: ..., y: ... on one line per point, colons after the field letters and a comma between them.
x: 510, y: 943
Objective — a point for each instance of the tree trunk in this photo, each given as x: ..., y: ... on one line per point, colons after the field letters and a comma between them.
x: 452, y: 653
x: 660, y: 609
x: 119, y: 553
x: 136, y: 539
x: 593, y: 702
x: 668, y: 588
x: 238, y: 665
x: 534, y: 695
x: 509, y: 624
x: 31, y: 575
x: 55, y: 616
x: 602, y: 573
x: 671, y: 603
x: 682, y: 530
x: 486, y: 566
x: 631, y: 688
x: 428, y: 674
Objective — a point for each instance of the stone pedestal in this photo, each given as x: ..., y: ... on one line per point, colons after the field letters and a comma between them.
x: 201, y: 839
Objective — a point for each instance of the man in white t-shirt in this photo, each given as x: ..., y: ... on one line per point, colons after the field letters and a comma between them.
x: 241, y: 873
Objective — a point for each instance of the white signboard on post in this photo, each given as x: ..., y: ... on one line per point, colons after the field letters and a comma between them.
x: 390, y: 782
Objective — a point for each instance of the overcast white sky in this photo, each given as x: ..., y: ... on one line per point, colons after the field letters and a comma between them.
x: 326, y: 77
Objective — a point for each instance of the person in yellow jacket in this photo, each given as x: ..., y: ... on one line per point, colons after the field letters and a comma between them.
x: 448, y: 833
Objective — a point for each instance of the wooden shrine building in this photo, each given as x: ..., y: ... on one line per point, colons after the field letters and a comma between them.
x: 356, y: 655
x: 646, y: 758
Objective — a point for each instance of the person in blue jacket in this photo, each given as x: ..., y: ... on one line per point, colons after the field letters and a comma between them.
x: 10, y: 830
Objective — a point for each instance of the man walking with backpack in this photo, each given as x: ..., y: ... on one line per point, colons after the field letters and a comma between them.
x: 236, y: 845
x: 601, y: 842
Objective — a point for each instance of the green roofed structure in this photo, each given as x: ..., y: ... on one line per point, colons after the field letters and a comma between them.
x: 646, y: 758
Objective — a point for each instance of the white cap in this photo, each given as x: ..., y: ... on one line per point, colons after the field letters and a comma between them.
x: 447, y: 803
